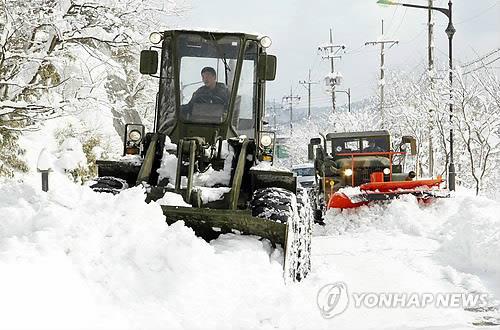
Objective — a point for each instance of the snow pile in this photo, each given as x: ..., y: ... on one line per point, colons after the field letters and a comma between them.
x: 468, y: 227
x: 167, y: 168
x: 172, y: 199
x: 135, y: 160
x: 71, y: 155
x: 404, y: 214
x: 472, y: 236
x: 209, y: 178
x: 213, y: 194
x: 73, y: 258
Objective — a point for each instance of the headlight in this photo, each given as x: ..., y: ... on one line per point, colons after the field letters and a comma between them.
x: 265, y: 42
x: 266, y: 140
x: 348, y: 172
x: 134, y: 136
x: 387, y: 171
x: 155, y: 37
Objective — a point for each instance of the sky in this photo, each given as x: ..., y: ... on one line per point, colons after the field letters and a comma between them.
x: 298, y: 27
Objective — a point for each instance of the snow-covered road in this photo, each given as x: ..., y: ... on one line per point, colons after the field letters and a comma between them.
x: 71, y: 258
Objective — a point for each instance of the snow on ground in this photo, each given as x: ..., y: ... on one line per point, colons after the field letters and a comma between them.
x: 75, y: 259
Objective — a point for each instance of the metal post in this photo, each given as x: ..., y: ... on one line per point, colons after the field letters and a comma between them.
x: 290, y: 98
x: 309, y: 96
x: 349, y: 98
x: 382, y: 77
x: 45, y: 180
x: 430, y: 49
x: 450, y: 31
x: 308, y: 83
x: 332, y: 65
x: 291, y: 114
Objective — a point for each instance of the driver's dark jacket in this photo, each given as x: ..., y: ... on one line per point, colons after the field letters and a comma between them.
x: 218, y: 95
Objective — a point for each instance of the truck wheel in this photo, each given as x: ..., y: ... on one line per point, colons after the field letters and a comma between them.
x: 283, y: 206
x: 109, y: 184
x: 316, y: 205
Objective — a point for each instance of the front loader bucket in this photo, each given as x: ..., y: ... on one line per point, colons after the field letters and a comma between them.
x: 210, y: 223
x: 292, y: 236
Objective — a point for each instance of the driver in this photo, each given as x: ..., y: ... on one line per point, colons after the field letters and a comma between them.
x: 212, y: 91
x: 373, y: 147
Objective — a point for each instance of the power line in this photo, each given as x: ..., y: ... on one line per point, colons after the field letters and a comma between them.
x: 481, y: 13
x: 481, y: 58
x: 484, y: 65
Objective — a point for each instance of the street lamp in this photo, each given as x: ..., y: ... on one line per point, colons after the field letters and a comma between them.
x: 348, y: 92
x: 450, y: 31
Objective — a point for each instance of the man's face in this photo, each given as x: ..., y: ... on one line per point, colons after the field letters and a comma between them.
x: 208, y: 79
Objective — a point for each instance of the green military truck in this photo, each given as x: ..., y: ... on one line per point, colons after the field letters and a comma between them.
x: 364, y: 160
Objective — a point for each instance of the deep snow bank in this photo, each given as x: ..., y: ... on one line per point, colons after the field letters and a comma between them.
x: 468, y: 227
x: 72, y: 258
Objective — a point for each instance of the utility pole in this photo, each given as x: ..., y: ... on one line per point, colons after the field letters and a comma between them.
x: 308, y: 83
x: 330, y: 52
x: 382, y: 68
x: 290, y: 99
x: 348, y: 92
x: 430, y: 43
x: 274, y: 112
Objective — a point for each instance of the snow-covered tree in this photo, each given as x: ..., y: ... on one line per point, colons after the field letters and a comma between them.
x: 65, y: 56
x: 477, y: 100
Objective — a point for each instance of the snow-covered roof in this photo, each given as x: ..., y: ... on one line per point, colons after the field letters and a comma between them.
x: 212, y: 30
x: 343, y: 135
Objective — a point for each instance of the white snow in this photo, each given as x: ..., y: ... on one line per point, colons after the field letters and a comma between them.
x: 268, y: 166
x: 172, y: 199
x: 75, y: 259
x: 212, y: 194
x: 71, y: 155
x: 209, y: 178
x: 169, y: 146
x: 132, y: 159
x: 168, y: 167
x: 45, y: 160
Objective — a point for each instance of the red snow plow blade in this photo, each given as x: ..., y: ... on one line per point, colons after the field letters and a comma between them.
x: 424, y: 190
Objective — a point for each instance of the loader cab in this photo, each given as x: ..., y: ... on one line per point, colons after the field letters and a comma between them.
x: 187, y: 106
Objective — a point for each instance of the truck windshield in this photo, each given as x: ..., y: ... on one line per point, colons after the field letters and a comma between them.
x: 304, y: 171
x: 207, y: 64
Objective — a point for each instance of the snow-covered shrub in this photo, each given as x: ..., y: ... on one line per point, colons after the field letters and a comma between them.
x: 78, y: 153
x: 10, y: 154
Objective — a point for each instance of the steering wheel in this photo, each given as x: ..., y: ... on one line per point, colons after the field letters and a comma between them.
x: 209, y: 98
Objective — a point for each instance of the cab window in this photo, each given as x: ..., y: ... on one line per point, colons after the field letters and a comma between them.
x: 206, y: 71
x: 244, y: 105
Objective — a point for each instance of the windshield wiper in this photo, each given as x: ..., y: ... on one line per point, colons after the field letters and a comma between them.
x: 222, y: 55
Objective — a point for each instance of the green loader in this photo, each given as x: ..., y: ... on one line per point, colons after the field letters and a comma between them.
x: 209, y: 144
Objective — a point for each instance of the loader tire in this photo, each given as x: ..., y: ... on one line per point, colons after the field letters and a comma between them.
x: 109, y: 184
x: 283, y: 206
